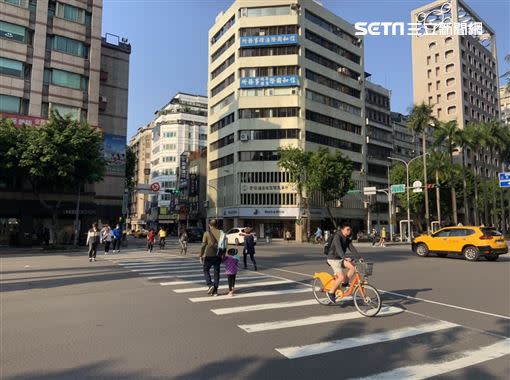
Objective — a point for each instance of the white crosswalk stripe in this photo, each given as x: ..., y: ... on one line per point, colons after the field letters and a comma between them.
x: 263, y: 306
x: 190, y: 282
x: 249, y: 295
x: 459, y: 361
x: 168, y: 270
x: 342, y: 344
x: 240, y: 286
x: 257, y: 327
x: 148, y: 265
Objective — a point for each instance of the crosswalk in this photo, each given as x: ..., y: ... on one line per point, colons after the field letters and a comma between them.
x: 184, y: 277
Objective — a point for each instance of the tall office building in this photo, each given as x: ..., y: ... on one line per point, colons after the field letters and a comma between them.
x: 281, y: 73
x: 52, y: 56
x: 456, y: 71
x: 504, y: 95
x: 180, y: 127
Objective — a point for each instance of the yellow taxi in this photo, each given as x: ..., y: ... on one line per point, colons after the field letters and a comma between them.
x: 469, y: 241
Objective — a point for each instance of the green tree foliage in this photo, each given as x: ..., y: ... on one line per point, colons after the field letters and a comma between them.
x: 331, y: 175
x: 130, y: 169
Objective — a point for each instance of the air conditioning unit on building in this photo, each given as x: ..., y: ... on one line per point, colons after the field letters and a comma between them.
x: 295, y: 7
x: 244, y: 136
x: 343, y: 70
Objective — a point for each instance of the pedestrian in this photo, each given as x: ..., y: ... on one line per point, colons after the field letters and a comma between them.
x: 231, y: 261
x: 373, y: 236
x: 107, y: 237
x: 249, y: 248
x: 318, y: 235
x: 92, y: 242
x: 211, y: 252
x: 269, y: 235
x: 326, y: 235
x: 162, y: 238
x: 117, y: 238
x: 183, y: 241
x: 151, y: 236
x: 382, y: 242
x: 288, y: 235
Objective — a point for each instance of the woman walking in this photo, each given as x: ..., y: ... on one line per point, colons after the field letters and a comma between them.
x: 92, y: 242
x: 151, y: 236
x: 231, y: 261
x: 249, y: 248
x: 183, y: 241
x: 107, y: 237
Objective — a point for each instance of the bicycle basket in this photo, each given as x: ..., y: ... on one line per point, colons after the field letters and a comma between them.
x: 365, y: 269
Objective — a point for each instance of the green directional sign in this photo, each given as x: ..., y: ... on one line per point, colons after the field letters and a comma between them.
x: 354, y: 192
x: 398, y: 189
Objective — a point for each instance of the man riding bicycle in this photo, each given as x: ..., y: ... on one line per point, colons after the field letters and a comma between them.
x: 338, y: 260
x: 162, y: 237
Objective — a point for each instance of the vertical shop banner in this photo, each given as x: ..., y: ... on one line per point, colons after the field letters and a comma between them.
x: 114, y: 151
x: 183, y: 170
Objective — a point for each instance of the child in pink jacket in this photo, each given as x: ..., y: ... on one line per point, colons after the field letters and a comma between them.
x: 231, y: 260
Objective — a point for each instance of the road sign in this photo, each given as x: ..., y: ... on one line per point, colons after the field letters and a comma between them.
x: 398, y: 189
x: 504, y: 183
x: 504, y: 176
x: 155, y: 186
x: 370, y: 190
x: 354, y: 192
x: 417, y: 187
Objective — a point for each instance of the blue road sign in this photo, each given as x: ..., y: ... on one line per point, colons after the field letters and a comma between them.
x: 505, y: 176
x: 504, y: 183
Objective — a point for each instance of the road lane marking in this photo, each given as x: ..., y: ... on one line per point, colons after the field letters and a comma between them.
x: 249, y: 295
x: 276, y: 325
x: 169, y: 269
x: 414, y: 298
x: 358, y: 341
x: 191, y: 282
x: 264, y: 306
x: 466, y: 359
x: 240, y: 286
x: 164, y: 266
x: 166, y: 275
x: 158, y: 263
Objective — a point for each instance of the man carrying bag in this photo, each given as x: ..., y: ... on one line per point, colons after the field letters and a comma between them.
x: 214, y: 245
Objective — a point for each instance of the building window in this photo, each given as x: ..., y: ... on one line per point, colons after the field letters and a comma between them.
x: 448, y: 40
x: 332, y: 46
x: 428, y: 60
x: 230, y: 60
x: 448, y: 54
x: 257, y: 113
x: 438, y: 83
x: 450, y: 95
x: 223, y: 30
x: 432, y: 45
x: 15, y: 32
x: 332, y: 102
x: 429, y: 72
x: 14, y: 68
x: 267, y: 51
x: 223, y: 122
x: 70, y: 13
x: 269, y: 30
x: 269, y: 71
x: 65, y: 79
x: 436, y: 58
x: 332, y: 122
x: 332, y: 142
x: 222, y: 48
x: 220, y: 162
x: 63, y: 110
x: 268, y: 134
x: 168, y: 147
x: 450, y: 81
x: 452, y: 110
x: 330, y: 27
x: 325, y: 81
x: 227, y: 140
x: 449, y: 67
x: 68, y: 46
x: 438, y: 99
x: 222, y: 85
x: 169, y: 134
x: 276, y: 91
x: 11, y: 104
x: 263, y: 155
x: 265, y: 11
x: 169, y: 159
x: 222, y: 103
x: 342, y: 70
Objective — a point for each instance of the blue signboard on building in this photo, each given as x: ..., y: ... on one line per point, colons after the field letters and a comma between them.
x: 505, y: 176
x: 275, y: 81
x: 279, y: 39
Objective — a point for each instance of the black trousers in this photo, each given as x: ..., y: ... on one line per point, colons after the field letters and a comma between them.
x: 213, y: 262
x: 116, y: 244
x: 231, y: 281
x: 107, y: 246
x: 252, y: 257
x: 92, y: 250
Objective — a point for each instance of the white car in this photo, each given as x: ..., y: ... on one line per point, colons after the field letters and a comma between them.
x: 235, y: 236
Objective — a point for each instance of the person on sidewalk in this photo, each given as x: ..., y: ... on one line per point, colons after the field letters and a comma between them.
x: 269, y: 235
x: 117, y: 238
x: 373, y: 236
x: 288, y: 236
x: 231, y: 261
x: 151, y: 237
x: 382, y: 242
x: 162, y: 238
x: 183, y: 241
x: 211, y: 252
x: 107, y: 237
x: 92, y: 242
x: 249, y: 247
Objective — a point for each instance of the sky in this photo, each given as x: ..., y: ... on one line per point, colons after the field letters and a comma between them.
x: 169, y: 45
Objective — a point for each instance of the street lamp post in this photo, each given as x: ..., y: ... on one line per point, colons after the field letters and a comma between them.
x: 215, y: 203
x: 407, y: 163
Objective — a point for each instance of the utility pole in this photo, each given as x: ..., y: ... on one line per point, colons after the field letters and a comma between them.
x: 438, y: 199
x: 77, y: 219
x: 424, y: 148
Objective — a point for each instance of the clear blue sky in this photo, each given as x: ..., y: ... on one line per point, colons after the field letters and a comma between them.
x: 169, y: 45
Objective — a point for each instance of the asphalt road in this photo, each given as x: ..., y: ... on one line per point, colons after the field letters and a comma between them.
x: 139, y: 316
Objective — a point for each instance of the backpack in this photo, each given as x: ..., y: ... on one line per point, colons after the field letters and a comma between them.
x: 221, y: 245
x: 327, y: 246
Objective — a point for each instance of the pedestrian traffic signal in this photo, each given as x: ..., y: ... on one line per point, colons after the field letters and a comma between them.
x: 173, y: 191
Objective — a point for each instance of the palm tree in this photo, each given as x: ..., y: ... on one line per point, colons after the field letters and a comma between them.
x: 462, y: 142
x: 502, y: 136
x: 420, y: 119
x: 448, y: 133
x: 440, y: 165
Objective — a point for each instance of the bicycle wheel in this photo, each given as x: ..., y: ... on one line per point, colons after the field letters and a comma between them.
x: 369, y: 305
x: 319, y: 293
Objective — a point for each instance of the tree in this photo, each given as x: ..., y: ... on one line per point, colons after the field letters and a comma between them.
x: 448, y: 133
x: 130, y: 169
x: 60, y: 155
x: 441, y: 167
x: 297, y: 162
x: 11, y: 144
x: 331, y: 176
x: 420, y: 119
